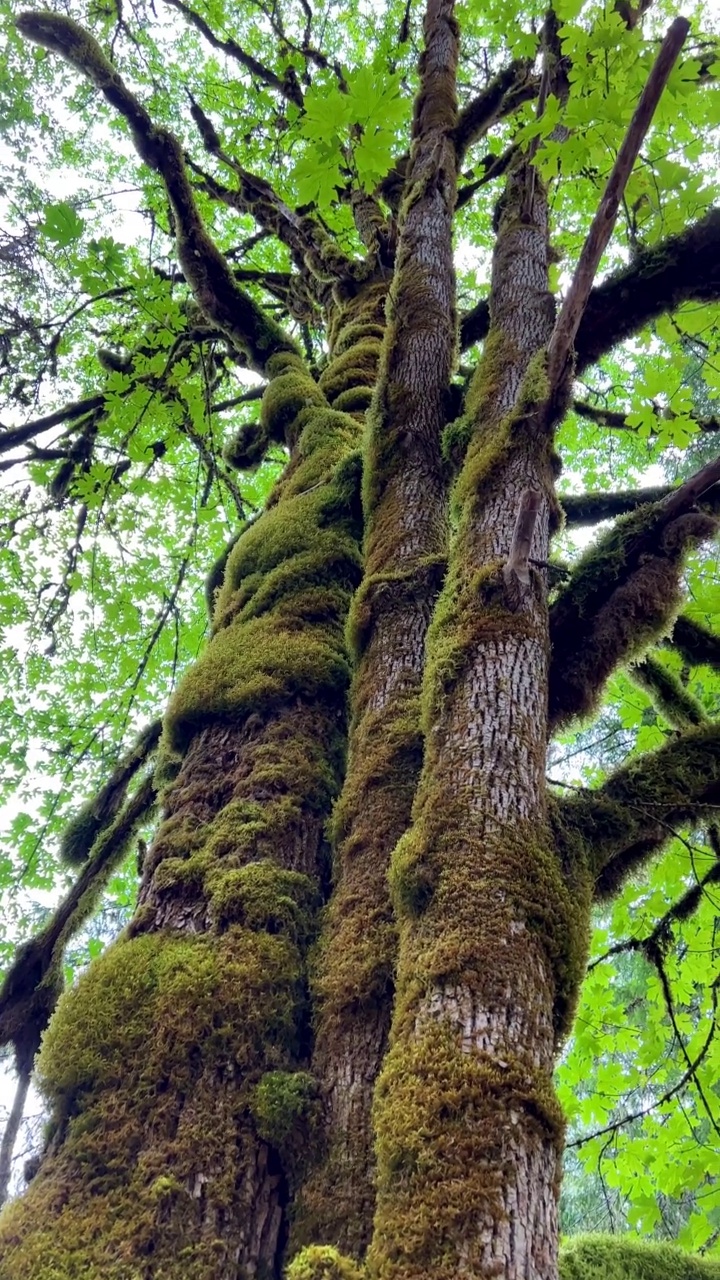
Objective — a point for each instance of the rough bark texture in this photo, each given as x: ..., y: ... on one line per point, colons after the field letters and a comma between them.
x: 175, y: 1068
x: 468, y: 1129
x: 405, y: 515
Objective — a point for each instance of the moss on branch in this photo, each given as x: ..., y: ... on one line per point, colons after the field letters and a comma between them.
x: 696, y: 644
x: 207, y: 272
x: 621, y: 824
x: 622, y: 595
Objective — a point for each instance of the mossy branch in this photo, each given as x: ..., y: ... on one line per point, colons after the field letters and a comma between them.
x: 33, y: 982
x: 630, y: 817
x: 504, y: 94
x: 288, y: 86
x: 697, y: 645
x: 672, y: 699
x: 99, y: 812
x: 591, y: 508
x: 683, y: 268
x: 623, y: 594
x: 206, y: 271
x: 616, y: 420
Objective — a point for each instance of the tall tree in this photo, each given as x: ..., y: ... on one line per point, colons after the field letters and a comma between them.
x: 326, y: 1036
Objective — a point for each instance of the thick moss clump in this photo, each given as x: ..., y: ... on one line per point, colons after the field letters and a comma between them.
x: 287, y: 1112
x: 279, y: 615
x: 622, y: 1258
x: 323, y: 1262
x: 132, y: 1067
x: 623, y: 594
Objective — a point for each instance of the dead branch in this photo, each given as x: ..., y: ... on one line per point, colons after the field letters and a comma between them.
x: 566, y: 327
x: 516, y: 571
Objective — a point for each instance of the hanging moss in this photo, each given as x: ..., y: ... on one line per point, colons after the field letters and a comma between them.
x: 623, y: 594
x: 679, y: 707
x: 622, y: 1258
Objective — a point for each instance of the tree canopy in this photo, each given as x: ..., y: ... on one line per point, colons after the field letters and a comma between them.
x: 205, y: 210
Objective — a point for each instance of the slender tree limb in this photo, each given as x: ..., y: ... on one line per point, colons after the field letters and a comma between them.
x: 591, y: 508
x: 696, y: 644
x: 681, y: 910
x: 207, y: 273
x: 682, y: 268
x: 508, y: 90
x: 653, y: 951
x: 568, y: 321
x: 12, y: 1128
x: 288, y: 87
x: 11, y: 437
x: 662, y: 1101
x: 623, y: 593
x: 33, y: 982
x: 616, y: 420
x: 493, y: 167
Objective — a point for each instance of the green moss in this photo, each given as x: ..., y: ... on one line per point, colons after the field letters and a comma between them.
x: 130, y: 1068
x: 679, y: 707
x: 623, y: 594
x: 265, y: 898
x: 356, y: 367
x: 323, y: 1262
x: 354, y: 400
x: 286, y: 1109
x: 598, y: 1257
x: 440, y: 1173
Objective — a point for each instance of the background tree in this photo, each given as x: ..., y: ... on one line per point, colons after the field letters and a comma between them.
x: 327, y: 1033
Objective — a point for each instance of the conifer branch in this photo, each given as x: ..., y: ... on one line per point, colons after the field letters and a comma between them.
x: 206, y: 271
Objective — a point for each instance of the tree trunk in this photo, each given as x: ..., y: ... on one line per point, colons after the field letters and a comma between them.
x: 405, y: 556
x: 177, y: 1068
x: 468, y: 1130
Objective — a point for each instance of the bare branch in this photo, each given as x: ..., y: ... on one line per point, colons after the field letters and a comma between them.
x: 568, y: 321
x: 682, y: 268
x: 516, y: 571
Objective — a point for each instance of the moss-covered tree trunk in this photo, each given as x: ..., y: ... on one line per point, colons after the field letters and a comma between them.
x: 361, y: 927
x: 178, y: 1067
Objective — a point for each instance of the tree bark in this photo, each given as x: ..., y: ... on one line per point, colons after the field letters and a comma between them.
x: 405, y: 550
x: 468, y: 1129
